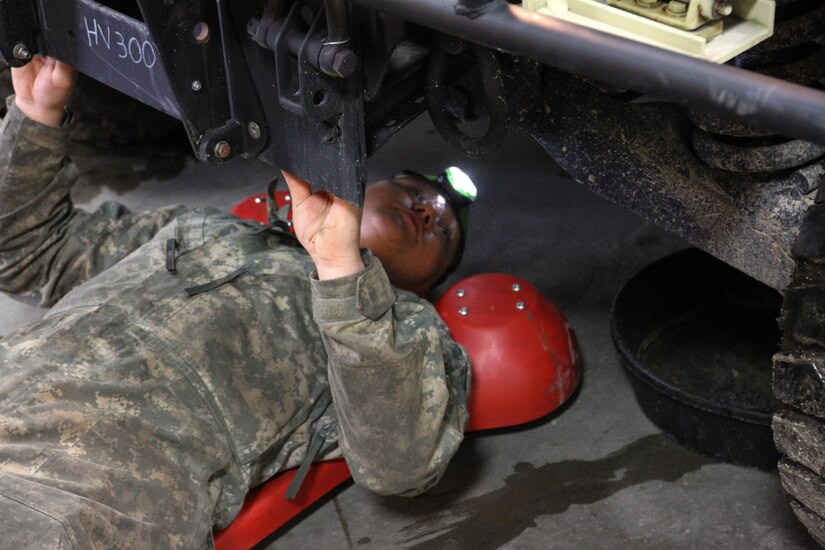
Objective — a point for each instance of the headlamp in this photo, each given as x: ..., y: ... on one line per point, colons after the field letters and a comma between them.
x: 457, y: 185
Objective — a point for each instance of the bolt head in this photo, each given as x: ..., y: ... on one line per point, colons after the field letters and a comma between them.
x: 22, y: 52
x: 345, y: 63
x: 223, y: 150
x: 196, y: 86
x: 254, y: 130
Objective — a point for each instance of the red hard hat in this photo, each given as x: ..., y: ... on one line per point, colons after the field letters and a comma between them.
x: 523, y: 352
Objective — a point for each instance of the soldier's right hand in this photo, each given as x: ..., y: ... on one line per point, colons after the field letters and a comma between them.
x: 42, y: 88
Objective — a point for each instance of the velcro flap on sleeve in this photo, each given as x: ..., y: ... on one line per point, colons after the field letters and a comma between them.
x: 366, y: 294
x: 373, y: 292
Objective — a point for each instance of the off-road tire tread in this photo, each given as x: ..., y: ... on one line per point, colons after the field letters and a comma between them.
x: 799, y: 379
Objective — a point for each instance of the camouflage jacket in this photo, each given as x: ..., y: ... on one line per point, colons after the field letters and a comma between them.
x: 349, y: 366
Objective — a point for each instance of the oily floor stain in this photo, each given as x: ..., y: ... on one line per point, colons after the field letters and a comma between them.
x: 492, y: 520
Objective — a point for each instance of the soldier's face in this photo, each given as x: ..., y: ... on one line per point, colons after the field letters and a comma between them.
x: 410, y: 228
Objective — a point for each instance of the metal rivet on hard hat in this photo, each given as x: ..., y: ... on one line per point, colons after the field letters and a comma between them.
x: 258, y: 200
x: 460, y: 293
x: 520, y: 305
x: 464, y: 311
x: 516, y: 287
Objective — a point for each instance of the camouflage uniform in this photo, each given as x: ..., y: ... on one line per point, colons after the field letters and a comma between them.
x: 188, y: 357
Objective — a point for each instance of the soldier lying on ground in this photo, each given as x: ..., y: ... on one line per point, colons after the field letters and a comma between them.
x: 189, y: 356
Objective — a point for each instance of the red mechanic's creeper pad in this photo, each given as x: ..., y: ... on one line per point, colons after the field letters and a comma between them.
x: 524, y: 365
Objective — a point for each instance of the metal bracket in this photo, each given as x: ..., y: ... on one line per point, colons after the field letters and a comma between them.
x: 199, y: 51
x: 298, y: 42
x: 184, y: 60
x: 749, y: 22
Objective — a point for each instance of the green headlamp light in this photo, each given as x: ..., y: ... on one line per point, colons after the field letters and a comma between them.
x: 456, y: 185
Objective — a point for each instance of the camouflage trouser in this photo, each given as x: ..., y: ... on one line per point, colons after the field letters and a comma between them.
x: 122, y: 455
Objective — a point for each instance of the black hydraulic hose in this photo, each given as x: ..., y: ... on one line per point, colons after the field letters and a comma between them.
x: 782, y: 107
x: 337, y: 22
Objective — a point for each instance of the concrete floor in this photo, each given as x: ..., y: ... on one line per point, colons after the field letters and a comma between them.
x: 597, y: 474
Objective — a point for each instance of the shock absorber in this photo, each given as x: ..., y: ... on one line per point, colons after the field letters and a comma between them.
x: 796, y: 53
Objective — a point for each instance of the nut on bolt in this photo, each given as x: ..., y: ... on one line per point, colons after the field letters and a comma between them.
x: 222, y: 150
x: 677, y: 8
x: 22, y: 52
x: 345, y: 63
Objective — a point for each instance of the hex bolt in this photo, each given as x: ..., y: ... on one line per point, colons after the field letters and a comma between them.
x: 22, y: 52
x: 460, y: 292
x: 196, y: 86
x: 222, y: 150
x: 677, y: 8
x: 345, y: 63
x: 516, y: 287
x: 649, y: 3
x: 520, y: 305
x: 254, y: 130
x: 464, y: 311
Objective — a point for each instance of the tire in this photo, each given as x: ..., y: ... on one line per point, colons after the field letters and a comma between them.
x: 799, y: 379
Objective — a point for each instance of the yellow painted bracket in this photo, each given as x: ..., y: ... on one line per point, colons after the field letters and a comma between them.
x: 750, y: 23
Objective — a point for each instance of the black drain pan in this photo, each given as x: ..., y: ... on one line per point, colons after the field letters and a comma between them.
x: 697, y: 337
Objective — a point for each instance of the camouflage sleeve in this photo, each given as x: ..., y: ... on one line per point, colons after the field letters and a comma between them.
x: 399, y: 382
x: 46, y: 245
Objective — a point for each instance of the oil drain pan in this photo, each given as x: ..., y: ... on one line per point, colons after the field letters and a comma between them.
x: 697, y: 337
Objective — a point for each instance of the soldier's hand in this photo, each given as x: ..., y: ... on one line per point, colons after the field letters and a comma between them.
x: 42, y: 88
x: 328, y: 227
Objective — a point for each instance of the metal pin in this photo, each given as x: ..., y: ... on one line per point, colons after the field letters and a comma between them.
x: 464, y: 311
x: 520, y: 305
